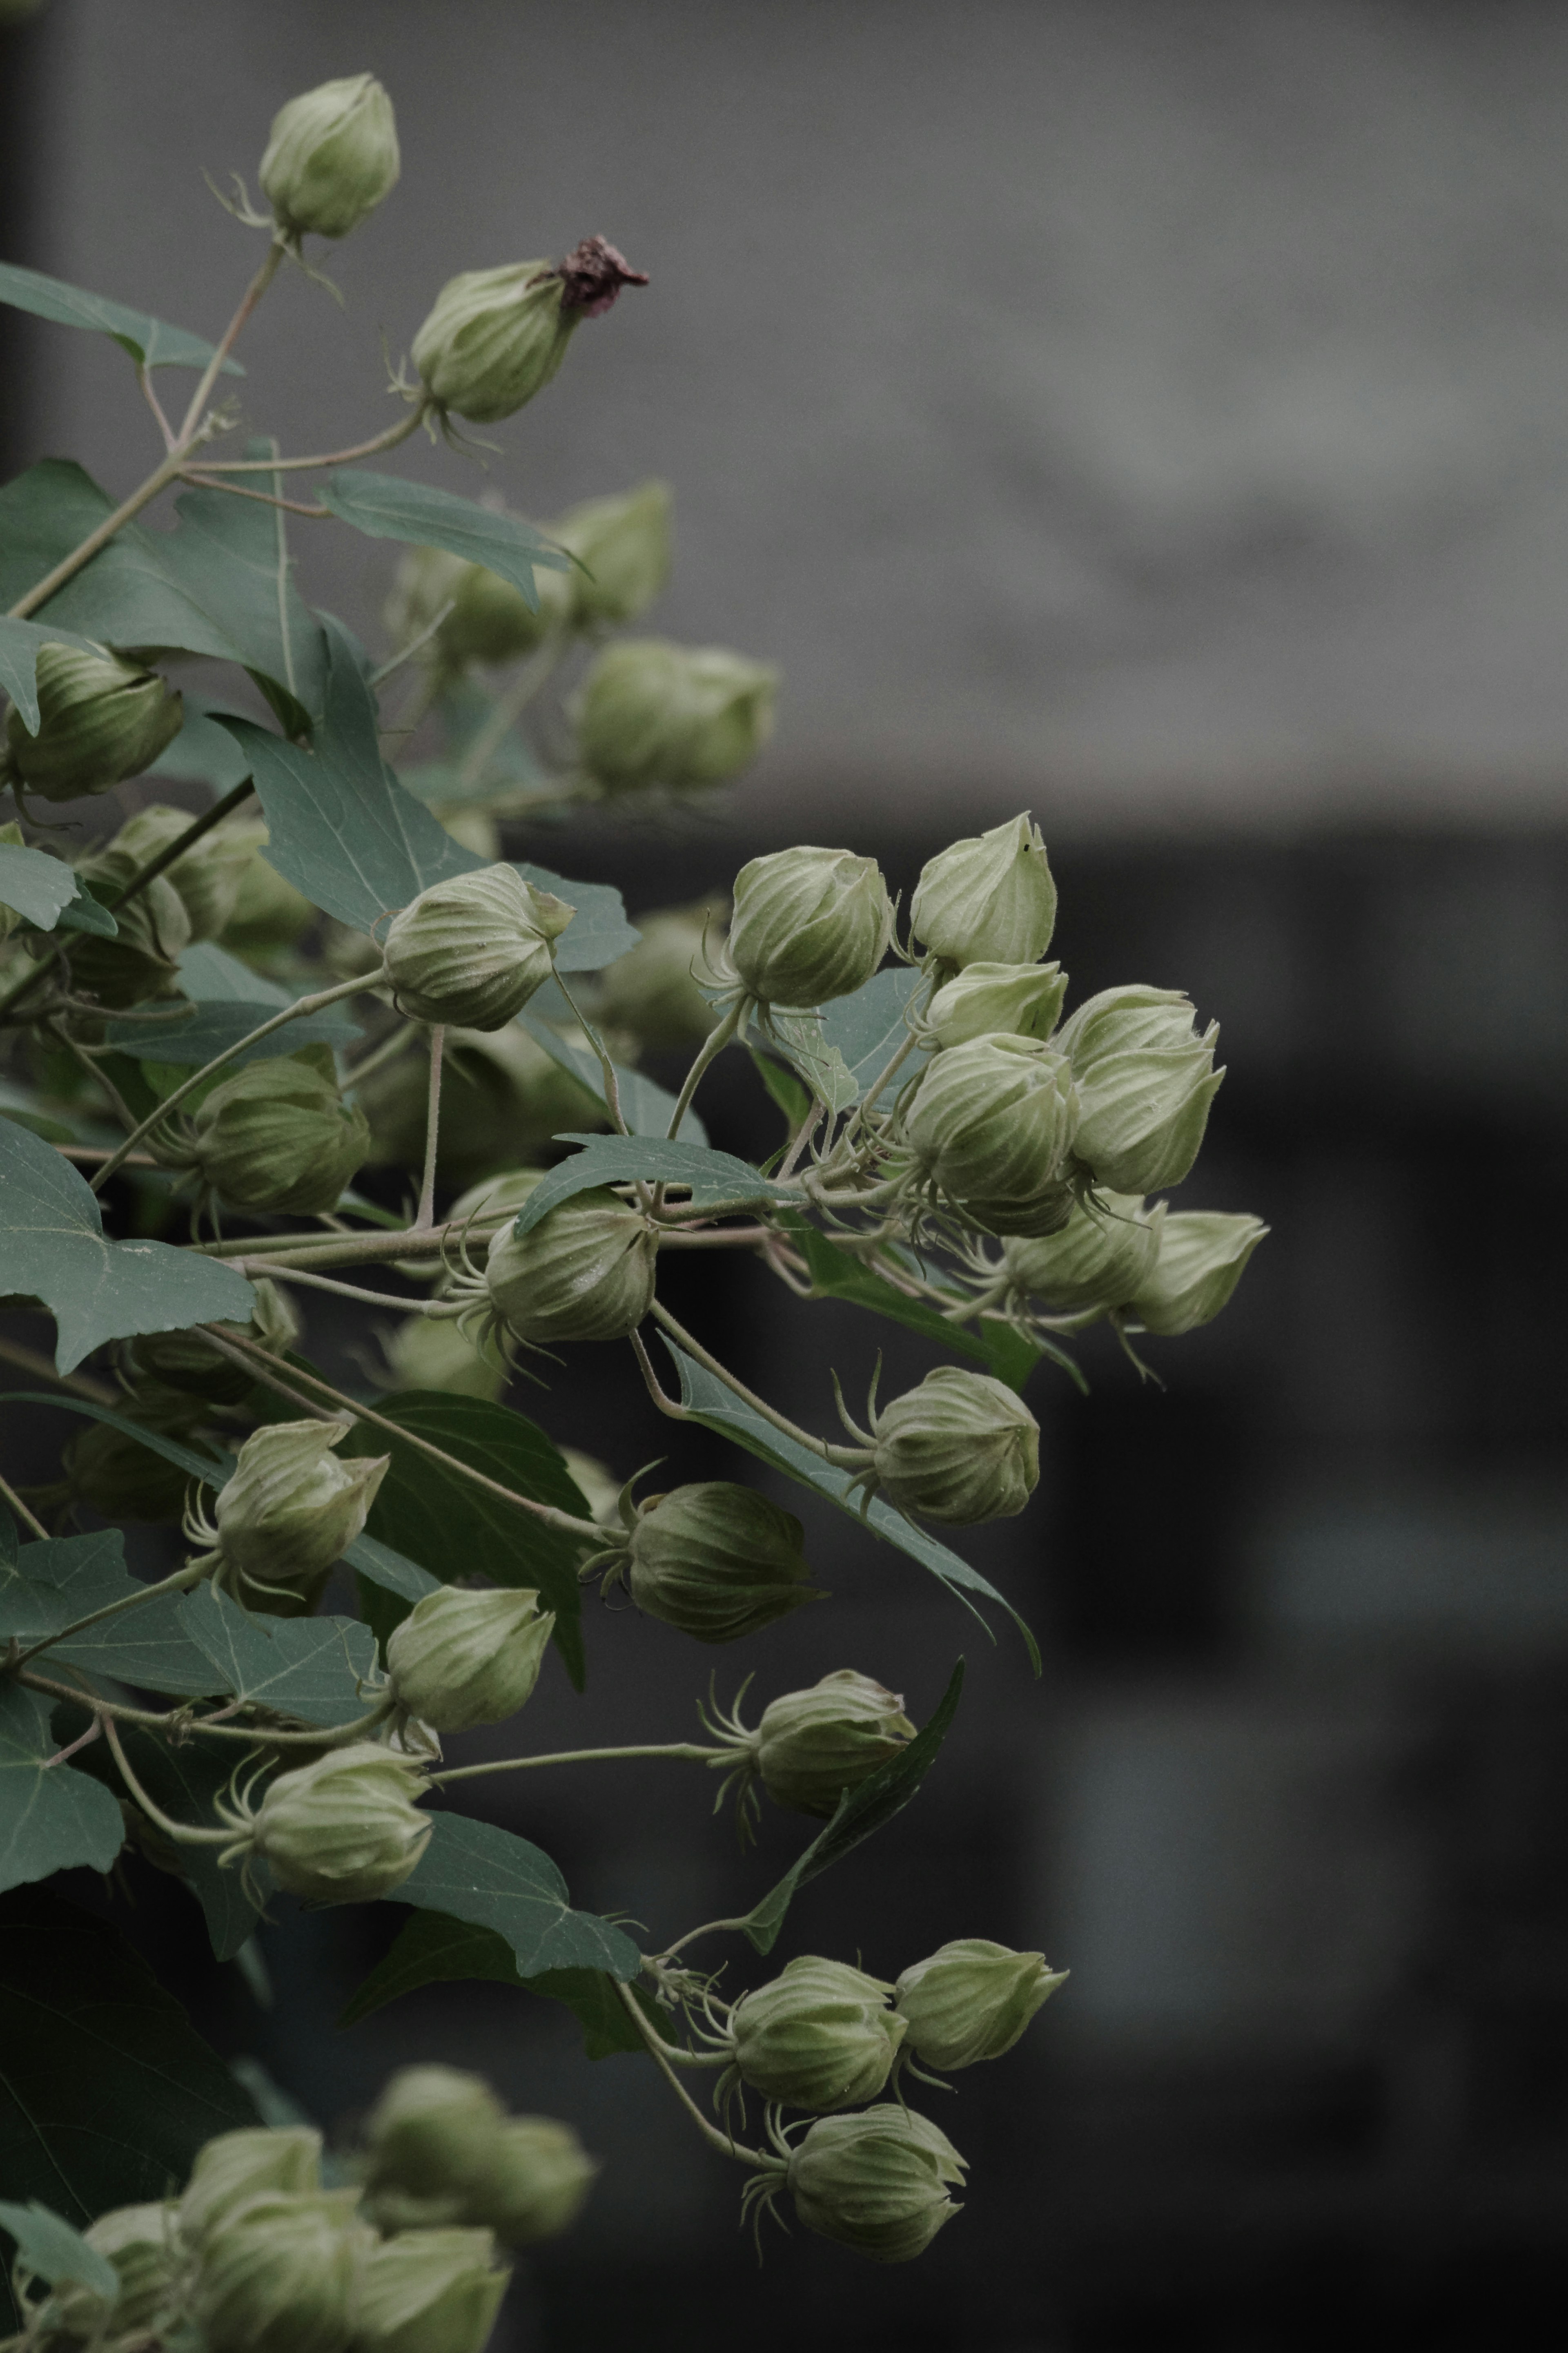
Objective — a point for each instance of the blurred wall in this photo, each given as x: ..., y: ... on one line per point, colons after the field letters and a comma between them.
x: 1147, y: 411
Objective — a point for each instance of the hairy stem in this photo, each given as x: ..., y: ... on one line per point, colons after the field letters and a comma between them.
x: 712, y: 1046
x: 276, y: 1273
x: 190, y: 423
x: 8, y: 1494
x: 181, y: 1832
x: 612, y: 1088
x: 425, y: 1216
x: 174, y: 1722
x: 387, y: 440
x: 686, y: 1752
x: 842, y: 1457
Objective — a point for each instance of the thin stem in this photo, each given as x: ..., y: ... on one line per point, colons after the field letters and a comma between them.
x: 712, y: 1046
x: 842, y: 1457
x: 234, y: 490
x: 144, y: 379
x: 387, y: 440
x: 685, y: 1752
x: 667, y: 1405
x: 507, y: 708
x: 726, y: 2145
x: 8, y: 1494
x: 552, y: 1518
x: 69, y: 565
x: 180, y: 1831
x: 79, y: 1053
x: 612, y: 1090
x: 257, y: 1735
x: 88, y: 1154
x: 406, y: 653
x: 223, y: 1348
x: 323, y: 997
x: 231, y: 334
x: 181, y: 1582
x: 804, y: 1134
x: 82, y: 1384
x: 392, y: 1043
x: 425, y: 1216
x: 271, y: 1268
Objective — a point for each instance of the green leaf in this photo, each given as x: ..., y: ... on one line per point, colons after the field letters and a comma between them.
x: 126, y: 596
x: 479, y: 1872
x: 33, y: 885
x: 65, y: 1578
x: 50, y: 1818
x: 719, y: 1410
x: 791, y: 1098
x: 231, y: 557
x: 148, y: 340
x: 203, y: 752
x: 452, y: 1528
x: 384, y: 508
x: 83, y: 913
x: 431, y: 1949
x: 390, y: 1570
x: 837, y: 1273
x: 210, y: 975
x: 860, y: 1811
x: 716, y: 1180
x: 868, y: 1029
x: 106, y: 2090
x: 211, y: 1474
x: 50, y: 2250
x: 214, y: 1028
x: 52, y: 1247
x: 828, y: 1075
x: 598, y: 932
x: 646, y: 1107
x: 313, y: 1668
x: 19, y: 644
x: 184, y: 1780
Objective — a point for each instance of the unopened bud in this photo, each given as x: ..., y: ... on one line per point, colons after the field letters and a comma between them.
x: 992, y: 1127
x: 1022, y: 1001
x: 585, y: 1271
x: 279, y: 1135
x: 184, y: 1362
x: 988, y: 899
x: 118, y: 1477
x: 462, y: 1657
x: 496, y: 337
x: 809, y: 925
x: 1202, y: 1255
x: 207, y: 877
x: 810, y: 1747
x: 622, y: 545
x: 140, y: 2242
x: 473, y: 951
x: 345, y: 1830
x: 536, y: 2183
x: 961, y: 1447
x: 239, y: 2167
x: 820, y: 2036
x: 651, y: 713
x: 1100, y: 1259
x: 101, y: 720
x: 877, y: 2181
x: 269, y: 913
x: 332, y: 157
x: 716, y: 1560
x: 292, y: 1507
x: 429, y: 2292
x: 278, y: 2277
x: 151, y: 933
x: 1145, y: 1080
x: 653, y: 989
x: 431, y: 2140
x: 427, y: 1352
x: 971, y: 2000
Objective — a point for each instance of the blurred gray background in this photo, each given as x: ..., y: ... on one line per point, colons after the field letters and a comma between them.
x: 1153, y: 415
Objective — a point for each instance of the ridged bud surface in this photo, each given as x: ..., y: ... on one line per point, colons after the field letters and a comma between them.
x: 809, y: 925
x: 877, y: 2182
x: 473, y: 951
x: 152, y: 932
x: 279, y: 2278
x: 429, y: 2291
x: 624, y: 545
x: 992, y: 1125
x: 345, y: 1830
x: 493, y: 339
x: 238, y: 2167
x: 141, y: 2243
x: 812, y: 1745
x: 99, y: 721
x: 988, y: 899
x: 653, y: 713
x: 207, y: 878
x: 585, y: 1271
x: 820, y: 2036
x: 716, y: 1560
x: 291, y: 1506
x: 1203, y: 1256
x: 1145, y: 1080
x: 461, y: 1658
x: 331, y: 157
x: 1021, y: 1000
x: 1098, y: 1260
x: 971, y: 2000
x: 960, y: 1449
x: 279, y: 1135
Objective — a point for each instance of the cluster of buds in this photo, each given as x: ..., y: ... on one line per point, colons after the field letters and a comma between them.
x: 288, y: 1512
x: 440, y: 2151
x: 714, y: 1560
x: 1152, y: 1268
x: 808, y: 925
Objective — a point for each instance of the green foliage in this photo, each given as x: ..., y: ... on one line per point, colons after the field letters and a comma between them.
x: 37, y: 887
x: 50, y: 1818
x: 50, y: 2250
x: 836, y: 1273
x: 477, y: 1873
x: 212, y: 1029
x: 716, y: 1180
x: 127, y: 596
x: 19, y: 644
x: 314, y: 1668
x: 384, y: 508
x: 148, y: 340
x: 56, y: 1584
x: 431, y: 1949
x: 646, y: 1106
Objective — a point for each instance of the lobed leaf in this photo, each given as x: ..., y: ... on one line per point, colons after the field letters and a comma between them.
x: 716, y: 1180
x: 53, y: 1247
x: 34, y: 886
x: 231, y: 557
x: 50, y: 1818
x: 54, y: 1583
x: 719, y: 1408
x: 213, y: 1028
x: 313, y: 1668
x: 127, y: 596
x: 148, y: 340
x: 867, y: 1028
x: 431, y: 1949
x: 385, y: 508
x: 477, y: 1873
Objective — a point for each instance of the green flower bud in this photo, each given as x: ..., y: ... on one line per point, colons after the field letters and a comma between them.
x: 809, y: 925
x: 1098, y: 1260
x: 424, y: 1354
x: 237, y: 2168
x: 461, y: 1658
x: 623, y: 544
x: 989, y: 900
x: 432, y: 2139
x: 716, y: 1560
x: 140, y: 2241
x: 971, y: 2000
x: 585, y: 1271
x: 820, y: 2036
x: 117, y: 1476
x: 536, y: 2183
x: 1145, y: 1080
x: 959, y: 1449
x: 473, y: 951
x: 653, y: 713
x: 291, y: 1507
x: 279, y: 2278
x: 277, y: 1136
x: 345, y: 1830
x: 992, y: 1127
x: 101, y: 720
x: 496, y: 337
x: 269, y: 913
x: 152, y: 933
x: 812, y: 1745
x: 493, y: 1195
x: 207, y: 878
x: 332, y: 157
x: 429, y: 2292
x: 491, y: 621
x: 1022, y: 1001
x: 653, y: 990
x: 1202, y: 1255
x: 877, y: 2181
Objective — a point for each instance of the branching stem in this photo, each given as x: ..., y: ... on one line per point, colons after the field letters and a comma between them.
x: 686, y: 1752
x: 723, y: 2142
x: 712, y: 1047
x: 842, y: 1457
